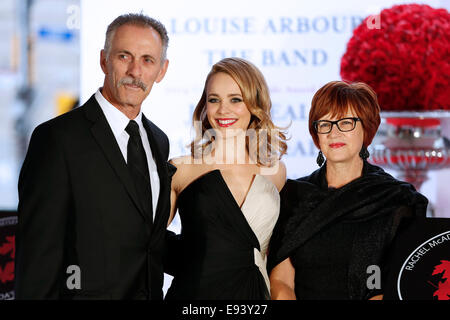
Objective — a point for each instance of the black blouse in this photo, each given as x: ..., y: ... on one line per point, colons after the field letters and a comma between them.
x: 333, y: 235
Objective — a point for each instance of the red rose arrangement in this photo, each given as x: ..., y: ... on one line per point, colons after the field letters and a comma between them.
x: 404, y: 57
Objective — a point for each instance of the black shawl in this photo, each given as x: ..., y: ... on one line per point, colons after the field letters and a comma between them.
x: 308, y: 206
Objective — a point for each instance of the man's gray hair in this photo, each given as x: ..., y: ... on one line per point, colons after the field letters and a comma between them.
x: 141, y: 20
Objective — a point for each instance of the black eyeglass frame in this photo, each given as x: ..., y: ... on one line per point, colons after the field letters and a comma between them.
x: 317, y: 122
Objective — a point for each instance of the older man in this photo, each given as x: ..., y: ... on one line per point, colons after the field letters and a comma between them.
x: 94, y: 187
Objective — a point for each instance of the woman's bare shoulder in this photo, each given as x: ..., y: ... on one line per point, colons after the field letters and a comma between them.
x: 181, y: 160
x: 188, y: 170
x: 276, y: 174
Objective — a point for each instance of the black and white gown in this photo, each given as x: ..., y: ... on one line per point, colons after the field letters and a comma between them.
x: 222, y: 249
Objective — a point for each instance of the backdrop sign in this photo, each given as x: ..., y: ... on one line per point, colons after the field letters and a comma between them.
x: 297, y: 45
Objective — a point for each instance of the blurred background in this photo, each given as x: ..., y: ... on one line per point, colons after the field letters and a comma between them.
x: 39, y: 77
x: 49, y: 64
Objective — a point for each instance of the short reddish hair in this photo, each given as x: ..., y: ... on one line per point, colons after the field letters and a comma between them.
x: 336, y: 97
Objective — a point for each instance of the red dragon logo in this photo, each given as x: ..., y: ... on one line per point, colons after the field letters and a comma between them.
x: 7, y: 274
x: 443, y: 287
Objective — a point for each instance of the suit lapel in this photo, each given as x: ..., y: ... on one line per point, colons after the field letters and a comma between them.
x: 157, y: 146
x: 105, y: 138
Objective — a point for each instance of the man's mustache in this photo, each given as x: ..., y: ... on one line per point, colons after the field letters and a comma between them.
x: 132, y: 81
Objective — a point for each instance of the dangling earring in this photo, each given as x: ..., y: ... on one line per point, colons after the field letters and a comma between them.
x: 320, y: 158
x: 364, y: 153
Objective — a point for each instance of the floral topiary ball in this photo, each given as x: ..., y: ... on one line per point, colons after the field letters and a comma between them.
x: 405, y: 58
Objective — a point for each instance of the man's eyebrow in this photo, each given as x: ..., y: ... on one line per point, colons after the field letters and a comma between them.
x: 149, y: 56
x: 124, y: 51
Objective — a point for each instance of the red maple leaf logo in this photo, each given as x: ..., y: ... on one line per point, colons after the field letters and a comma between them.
x: 443, y: 287
x: 7, y: 274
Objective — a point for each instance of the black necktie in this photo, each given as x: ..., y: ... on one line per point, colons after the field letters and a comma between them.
x: 138, y: 166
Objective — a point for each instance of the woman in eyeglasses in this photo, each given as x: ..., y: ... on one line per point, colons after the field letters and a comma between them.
x: 336, y: 225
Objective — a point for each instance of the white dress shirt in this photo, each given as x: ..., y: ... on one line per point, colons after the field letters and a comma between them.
x: 118, y: 122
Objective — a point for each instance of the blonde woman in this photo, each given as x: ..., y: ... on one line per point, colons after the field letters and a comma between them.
x: 227, y: 190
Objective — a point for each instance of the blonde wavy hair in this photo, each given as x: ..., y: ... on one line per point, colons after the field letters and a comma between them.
x: 269, y: 143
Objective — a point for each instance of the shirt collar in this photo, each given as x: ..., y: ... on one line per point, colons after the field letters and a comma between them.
x: 116, y: 119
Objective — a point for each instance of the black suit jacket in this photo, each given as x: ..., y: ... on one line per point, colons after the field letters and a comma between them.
x: 78, y: 207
